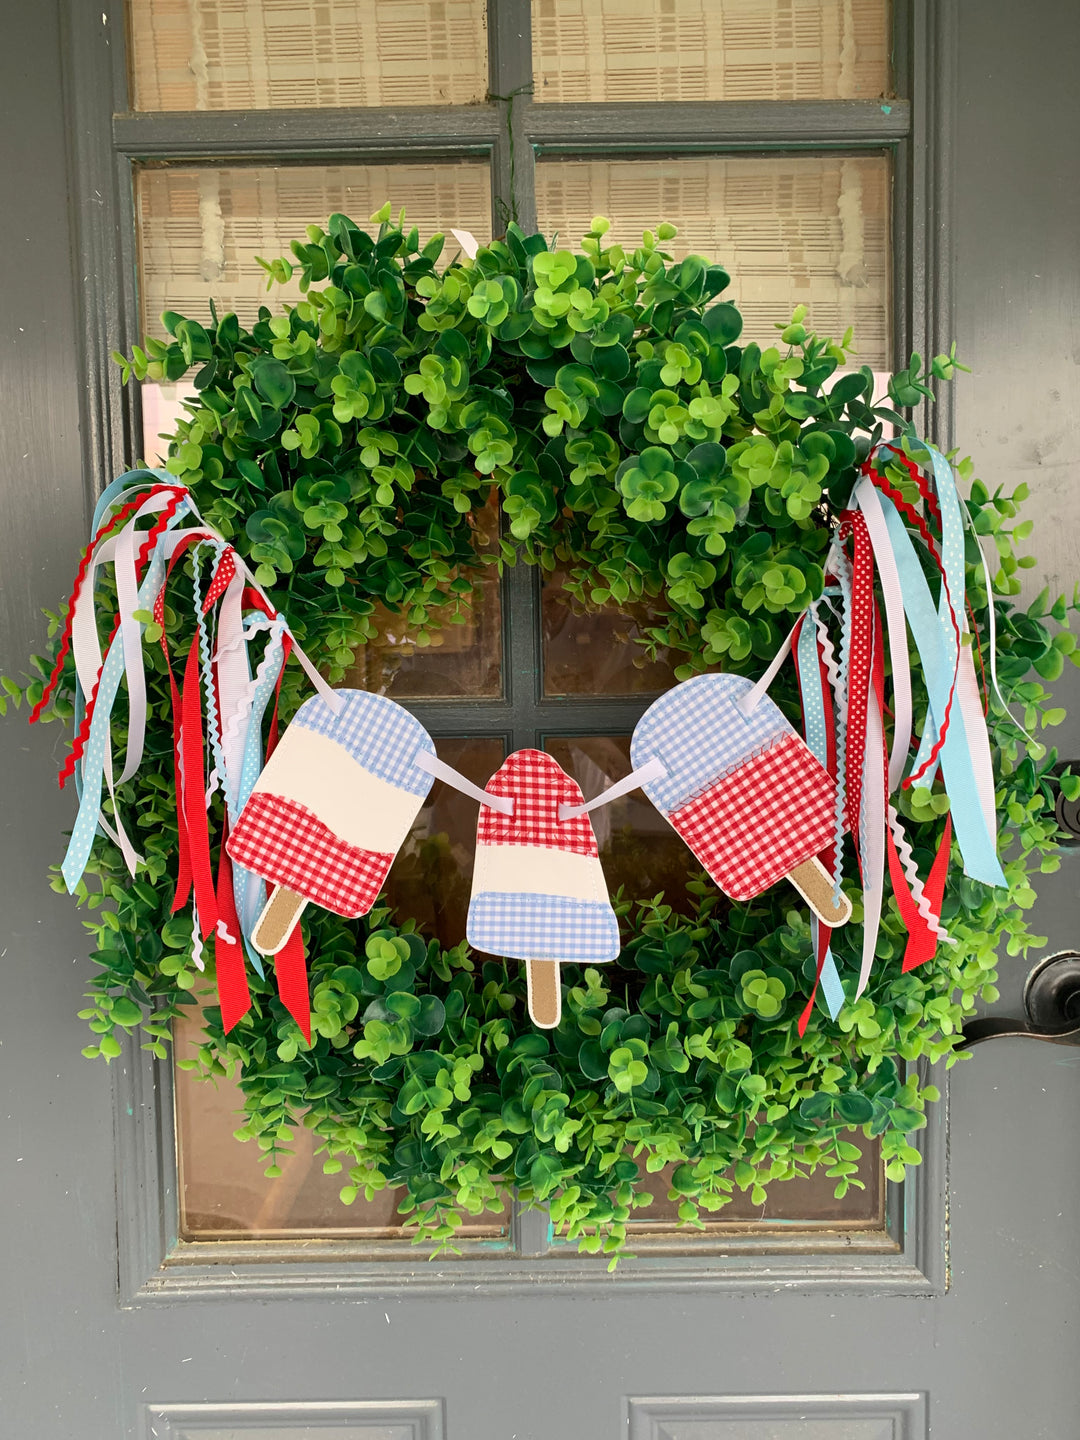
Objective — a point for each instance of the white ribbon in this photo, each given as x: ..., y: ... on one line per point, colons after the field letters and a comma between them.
x: 866, y: 497
x: 427, y: 760
x: 652, y: 770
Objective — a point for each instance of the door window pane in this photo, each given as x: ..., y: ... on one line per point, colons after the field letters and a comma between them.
x: 790, y: 230
x: 634, y: 50
x: 431, y: 878
x: 458, y: 660
x: 276, y: 54
x: 638, y: 848
x: 224, y: 1194
x: 596, y: 649
x: 804, y: 1201
x: 201, y: 229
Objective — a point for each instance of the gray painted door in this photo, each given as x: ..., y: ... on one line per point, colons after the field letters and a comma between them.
x: 993, y: 1357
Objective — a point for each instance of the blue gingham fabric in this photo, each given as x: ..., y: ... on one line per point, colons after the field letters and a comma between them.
x: 543, y: 927
x: 699, y: 733
x: 378, y: 733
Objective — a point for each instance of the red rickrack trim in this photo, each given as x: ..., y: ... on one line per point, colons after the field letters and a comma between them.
x: 84, y: 564
x: 926, y: 493
x: 156, y: 530
x: 978, y: 652
x: 178, y: 493
x: 906, y: 508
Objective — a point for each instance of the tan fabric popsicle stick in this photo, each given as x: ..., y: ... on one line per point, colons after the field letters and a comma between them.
x: 545, y: 993
x: 278, y: 920
x: 815, y: 885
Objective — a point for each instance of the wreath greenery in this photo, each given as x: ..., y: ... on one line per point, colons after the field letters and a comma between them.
x: 346, y: 446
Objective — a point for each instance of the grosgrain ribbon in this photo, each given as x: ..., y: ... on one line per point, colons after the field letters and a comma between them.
x: 822, y: 745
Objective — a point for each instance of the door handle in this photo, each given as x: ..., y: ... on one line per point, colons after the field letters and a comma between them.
x: 1051, y: 1007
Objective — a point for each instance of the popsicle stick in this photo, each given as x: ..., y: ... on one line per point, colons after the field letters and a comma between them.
x: 278, y: 920
x: 815, y: 885
x: 545, y: 993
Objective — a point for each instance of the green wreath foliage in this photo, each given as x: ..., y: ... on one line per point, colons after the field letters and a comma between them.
x: 346, y: 445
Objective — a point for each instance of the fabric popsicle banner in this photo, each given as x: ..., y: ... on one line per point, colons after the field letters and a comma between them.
x: 335, y: 801
x: 741, y: 789
x: 538, y: 891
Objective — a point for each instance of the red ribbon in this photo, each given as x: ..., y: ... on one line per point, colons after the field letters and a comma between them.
x: 292, y: 981
x: 234, y: 997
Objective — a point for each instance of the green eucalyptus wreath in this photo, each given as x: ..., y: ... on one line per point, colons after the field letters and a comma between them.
x: 346, y: 446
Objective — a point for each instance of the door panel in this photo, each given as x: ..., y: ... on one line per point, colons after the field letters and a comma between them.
x: 994, y: 1356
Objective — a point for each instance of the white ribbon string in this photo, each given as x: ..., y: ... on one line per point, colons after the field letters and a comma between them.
x: 866, y: 497
x: 653, y: 769
x: 426, y: 760
x: 873, y: 834
x: 750, y: 701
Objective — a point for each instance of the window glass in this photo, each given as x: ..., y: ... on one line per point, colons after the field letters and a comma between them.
x: 224, y: 1194
x: 592, y: 649
x: 790, y: 230
x: 638, y: 848
x: 461, y: 658
x: 431, y: 878
x: 634, y: 50
x: 201, y: 229
x: 276, y: 54
x: 808, y: 1200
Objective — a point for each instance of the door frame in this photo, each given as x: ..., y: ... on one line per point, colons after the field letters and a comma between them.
x: 105, y: 142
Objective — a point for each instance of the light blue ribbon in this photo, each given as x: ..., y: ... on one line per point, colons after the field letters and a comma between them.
x: 93, y: 762
x: 936, y: 645
x: 106, y: 500
x: 248, y: 888
x: 813, y: 707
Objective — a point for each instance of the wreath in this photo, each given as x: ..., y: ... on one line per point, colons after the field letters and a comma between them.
x: 346, y: 445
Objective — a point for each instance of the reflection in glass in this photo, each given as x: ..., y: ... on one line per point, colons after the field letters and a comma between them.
x: 224, y: 1194
x: 463, y: 660
x: 638, y: 848
x: 200, y: 229
x: 810, y: 1200
x: 595, y: 649
x: 789, y: 229
x: 611, y: 50
x: 276, y: 54
x: 432, y: 876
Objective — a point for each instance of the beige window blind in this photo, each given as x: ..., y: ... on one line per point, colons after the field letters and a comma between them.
x: 790, y: 230
x: 272, y: 54
x: 633, y: 50
x: 200, y: 229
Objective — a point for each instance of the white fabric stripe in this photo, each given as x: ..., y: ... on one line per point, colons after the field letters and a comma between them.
x: 867, y: 498
x: 357, y: 806
x: 535, y: 870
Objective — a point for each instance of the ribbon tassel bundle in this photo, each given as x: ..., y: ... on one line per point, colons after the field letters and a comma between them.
x: 219, y: 702
x: 231, y: 675
x: 842, y: 688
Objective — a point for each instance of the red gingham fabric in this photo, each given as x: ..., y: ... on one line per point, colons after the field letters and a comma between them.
x: 538, y: 785
x: 287, y: 844
x: 755, y: 825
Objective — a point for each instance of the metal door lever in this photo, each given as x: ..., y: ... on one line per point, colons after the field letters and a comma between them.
x: 1051, y: 1005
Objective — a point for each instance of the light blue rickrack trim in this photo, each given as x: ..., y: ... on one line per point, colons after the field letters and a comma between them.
x: 817, y: 738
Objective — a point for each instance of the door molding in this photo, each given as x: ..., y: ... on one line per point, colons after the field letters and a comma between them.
x: 104, y: 141
x: 154, y: 1264
x: 424, y: 1418
x: 658, y: 1418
